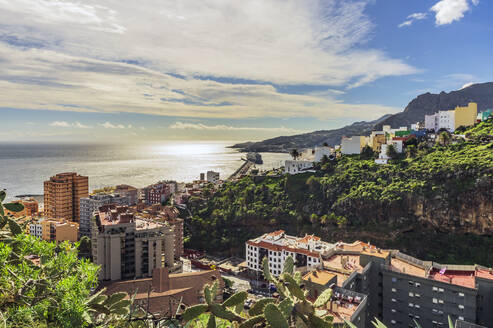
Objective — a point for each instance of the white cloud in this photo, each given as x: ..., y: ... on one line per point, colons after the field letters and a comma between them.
x: 412, y: 18
x: 475, y: 2
x: 467, y: 85
x: 448, y: 11
x: 109, y: 125
x: 284, y: 42
x: 199, y: 126
x: 65, y: 124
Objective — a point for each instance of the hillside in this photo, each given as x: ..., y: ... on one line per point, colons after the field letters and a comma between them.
x: 437, y: 205
x: 416, y: 110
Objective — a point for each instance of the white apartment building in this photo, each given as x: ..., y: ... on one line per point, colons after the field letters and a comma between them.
x: 353, y: 145
x: 295, y: 167
x: 444, y: 119
x: 382, y: 157
x: 36, y: 229
x: 277, y: 246
x: 320, y: 152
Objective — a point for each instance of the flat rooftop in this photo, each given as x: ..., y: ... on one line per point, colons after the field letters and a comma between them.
x: 407, y: 268
x: 346, y: 263
x: 320, y: 277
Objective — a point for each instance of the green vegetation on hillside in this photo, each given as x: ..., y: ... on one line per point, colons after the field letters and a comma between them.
x: 351, y: 197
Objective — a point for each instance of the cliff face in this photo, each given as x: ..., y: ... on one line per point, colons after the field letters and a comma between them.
x: 415, y: 111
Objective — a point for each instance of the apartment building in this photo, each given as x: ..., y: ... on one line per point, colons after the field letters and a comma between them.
x: 128, y: 247
x: 89, y: 205
x: 62, y: 194
x: 212, y: 176
x: 399, y: 289
x: 130, y: 192
x: 54, y: 230
x: 159, y: 192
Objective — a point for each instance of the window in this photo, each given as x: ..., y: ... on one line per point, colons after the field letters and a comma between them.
x: 435, y: 301
x: 461, y: 294
x: 417, y: 306
x: 393, y: 310
x: 393, y: 279
x: 440, y: 301
x: 411, y: 283
x: 435, y: 288
x: 461, y: 306
x: 418, y: 284
x: 393, y: 322
x: 461, y: 318
x: 393, y: 300
x: 411, y: 294
x: 394, y: 290
x: 417, y: 295
x: 440, y: 290
x: 411, y: 304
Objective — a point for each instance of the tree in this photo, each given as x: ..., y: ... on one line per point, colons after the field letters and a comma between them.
x: 411, y: 151
x: 367, y: 152
x: 294, y: 153
x: 444, y: 138
x: 43, y: 284
x: 391, y: 152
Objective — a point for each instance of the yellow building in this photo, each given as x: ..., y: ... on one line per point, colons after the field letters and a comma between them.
x: 377, y: 140
x: 466, y: 116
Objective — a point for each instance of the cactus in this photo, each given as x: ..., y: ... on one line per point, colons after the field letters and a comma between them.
x: 291, y: 309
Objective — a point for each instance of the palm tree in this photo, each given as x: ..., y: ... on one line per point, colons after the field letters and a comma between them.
x: 294, y: 153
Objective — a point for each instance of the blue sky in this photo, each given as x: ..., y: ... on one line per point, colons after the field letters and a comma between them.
x: 227, y: 70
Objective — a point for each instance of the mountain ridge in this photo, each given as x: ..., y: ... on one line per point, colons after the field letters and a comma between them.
x: 424, y: 104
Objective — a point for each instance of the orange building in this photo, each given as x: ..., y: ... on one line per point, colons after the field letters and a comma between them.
x: 62, y: 194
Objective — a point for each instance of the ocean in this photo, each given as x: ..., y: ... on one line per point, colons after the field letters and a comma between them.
x: 24, y: 167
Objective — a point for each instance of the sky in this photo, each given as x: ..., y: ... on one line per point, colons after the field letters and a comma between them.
x: 123, y: 71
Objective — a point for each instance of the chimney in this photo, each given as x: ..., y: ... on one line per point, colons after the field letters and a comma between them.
x: 160, y: 279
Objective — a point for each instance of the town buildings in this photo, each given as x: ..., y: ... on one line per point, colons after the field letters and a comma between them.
x: 62, y: 194
x: 159, y: 192
x: 163, y: 293
x: 212, y: 176
x: 30, y: 208
x: 54, y: 230
x: 353, y: 145
x: 398, y: 288
x: 295, y: 167
x: 89, y: 205
x: 452, y: 119
x: 128, y: 247
x: 130, y: 192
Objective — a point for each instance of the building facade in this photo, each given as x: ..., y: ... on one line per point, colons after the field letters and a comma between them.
x: 352, y: 145
x: 130, y: 192
x: 89, y: 205
x: 212, y: 176
x: 398, y: 288
x: 295, y: 167
x: 54, y: 230
x: 452, y: 119
x: 128, y: 247
x: 62, y: 194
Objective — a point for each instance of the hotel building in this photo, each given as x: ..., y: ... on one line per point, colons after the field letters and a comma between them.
x: 62, y: 194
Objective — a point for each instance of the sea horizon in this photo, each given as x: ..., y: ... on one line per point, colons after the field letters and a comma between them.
x: 25, y: 165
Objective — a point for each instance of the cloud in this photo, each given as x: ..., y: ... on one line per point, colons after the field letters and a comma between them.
x: 283, y: 42
x: 448, y: 11
x: 65, y: 124
x: 467, y: 85
x: 109, y: 125
x: 412, y: 18
x: 199, y: 126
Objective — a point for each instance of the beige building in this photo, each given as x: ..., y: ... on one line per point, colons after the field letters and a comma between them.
x: 55, y: 230
x: 62, y: 194
x: 128, y: 247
